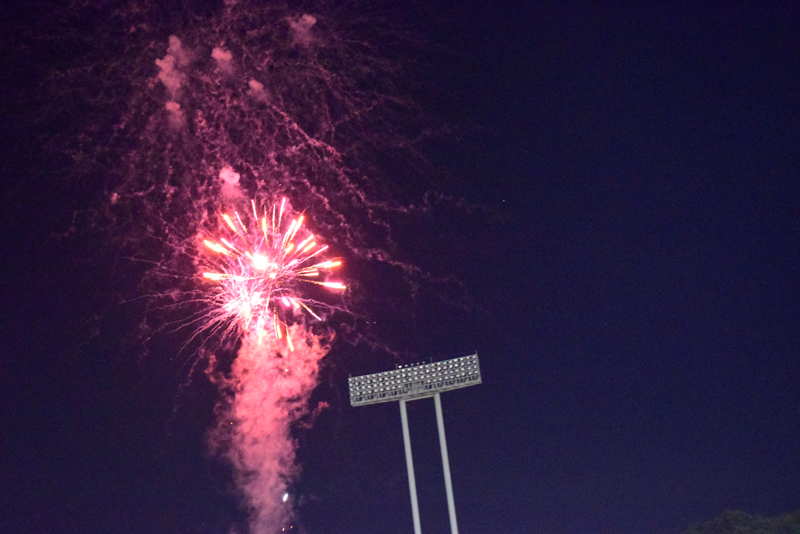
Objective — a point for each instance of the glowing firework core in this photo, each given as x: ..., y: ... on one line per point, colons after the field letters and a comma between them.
x: 257, y: 267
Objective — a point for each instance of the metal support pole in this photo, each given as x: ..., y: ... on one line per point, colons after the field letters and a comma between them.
x: 448, y: 484
x: 412, y: 484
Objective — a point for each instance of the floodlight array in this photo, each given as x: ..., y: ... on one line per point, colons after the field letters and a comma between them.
x: 414, y: 382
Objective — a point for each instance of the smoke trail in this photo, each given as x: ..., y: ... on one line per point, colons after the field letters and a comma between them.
x: 266, y: 393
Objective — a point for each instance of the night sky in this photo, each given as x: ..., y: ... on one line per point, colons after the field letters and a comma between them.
x: 618, y: 210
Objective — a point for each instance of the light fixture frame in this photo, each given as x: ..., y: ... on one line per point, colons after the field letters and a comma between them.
x: 415, y: 381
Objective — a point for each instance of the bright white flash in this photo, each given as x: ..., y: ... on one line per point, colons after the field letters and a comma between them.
x: 262, y: 263
x: 285, y: 497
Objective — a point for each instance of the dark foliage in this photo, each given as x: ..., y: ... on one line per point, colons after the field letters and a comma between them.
x: 737, y: 522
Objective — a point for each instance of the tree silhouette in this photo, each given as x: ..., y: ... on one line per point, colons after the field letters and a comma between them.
x: 738, y: 522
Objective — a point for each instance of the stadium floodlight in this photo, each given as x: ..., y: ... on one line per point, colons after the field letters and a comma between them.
x: 413, y: 382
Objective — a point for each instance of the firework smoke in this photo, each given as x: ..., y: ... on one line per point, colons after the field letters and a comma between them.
x: 267, y: 392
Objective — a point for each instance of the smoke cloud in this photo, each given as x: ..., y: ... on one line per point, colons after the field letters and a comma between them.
x: 230, y: 183
x: 177, y: 118
x: 257, y: 91
x: 170, y: 74
x: 266, y: 393
x: 301, y: 28
x: 223, y: 58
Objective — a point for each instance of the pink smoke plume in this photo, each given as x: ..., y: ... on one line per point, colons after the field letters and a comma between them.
x: 267, y: 392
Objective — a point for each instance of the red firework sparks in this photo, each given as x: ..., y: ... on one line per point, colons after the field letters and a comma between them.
x: 257, y: 266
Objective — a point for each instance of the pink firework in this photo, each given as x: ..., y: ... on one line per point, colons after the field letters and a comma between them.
x: 258, y: 263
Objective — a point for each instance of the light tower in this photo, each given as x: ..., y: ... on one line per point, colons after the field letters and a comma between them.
x: 412, y: 382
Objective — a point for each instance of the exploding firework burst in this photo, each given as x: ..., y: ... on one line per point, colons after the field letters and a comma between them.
x: 257, y: 265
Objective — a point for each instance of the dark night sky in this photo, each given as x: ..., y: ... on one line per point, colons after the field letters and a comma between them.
x: 634, y: 270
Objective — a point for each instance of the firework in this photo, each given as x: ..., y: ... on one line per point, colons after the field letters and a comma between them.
x: 257, y: 264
